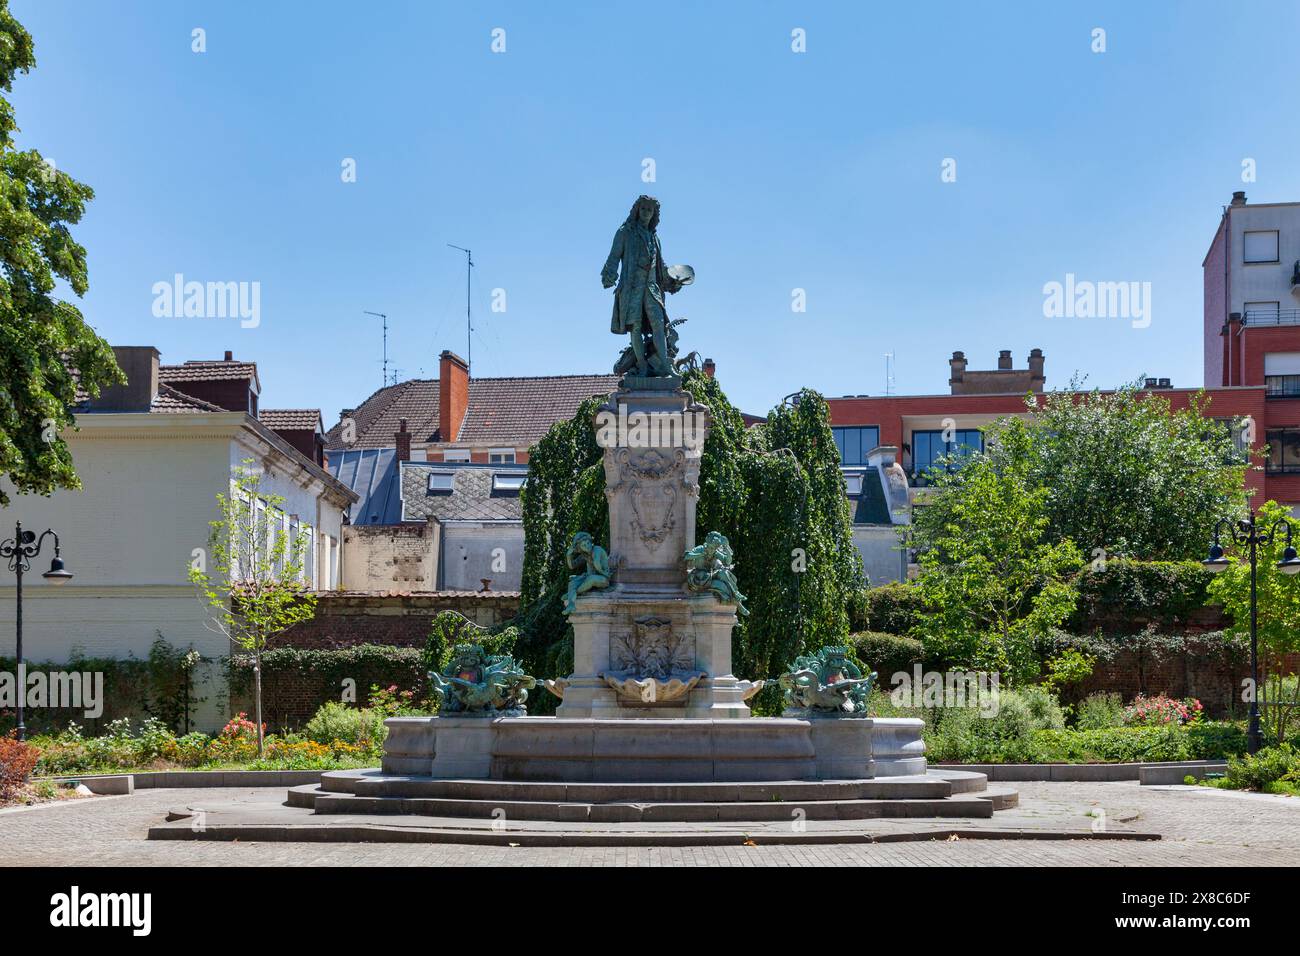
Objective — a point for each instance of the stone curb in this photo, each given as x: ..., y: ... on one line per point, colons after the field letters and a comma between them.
x: 368, y: 833
x: 183, y: 779
x: 1145, y: 773
x: 1167, y: 773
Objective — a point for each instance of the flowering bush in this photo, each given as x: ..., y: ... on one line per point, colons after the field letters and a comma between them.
x: 237, y: 740
x: 154, y: 746
x: 17, y: 760
x: 188, y: 751
x: 1155, y: 711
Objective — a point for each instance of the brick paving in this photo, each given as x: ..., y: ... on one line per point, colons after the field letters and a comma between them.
x: 1199, y: 828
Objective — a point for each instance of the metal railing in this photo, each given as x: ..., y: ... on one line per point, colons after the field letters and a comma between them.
x: 1271, y: 317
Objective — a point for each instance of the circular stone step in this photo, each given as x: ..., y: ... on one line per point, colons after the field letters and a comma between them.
x: 950, y: 793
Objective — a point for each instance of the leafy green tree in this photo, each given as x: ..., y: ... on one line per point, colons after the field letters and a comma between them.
x: 42, y: 338
x: 993, y: 581
x: 1124, y: 475
x: 252, y: 578
x: 1278, y: 612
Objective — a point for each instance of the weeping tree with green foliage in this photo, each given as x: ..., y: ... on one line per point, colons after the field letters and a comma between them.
x: 42, y: 338
x: 774, y: 490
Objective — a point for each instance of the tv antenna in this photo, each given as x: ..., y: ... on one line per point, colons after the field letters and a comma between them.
x: 469, y: 321
x: 381, y: 315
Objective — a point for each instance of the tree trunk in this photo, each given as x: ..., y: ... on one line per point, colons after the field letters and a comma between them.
x: 257, y: 699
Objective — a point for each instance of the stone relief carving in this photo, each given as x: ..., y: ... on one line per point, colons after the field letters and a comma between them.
x: 651, y: 478
x: 652, y: 662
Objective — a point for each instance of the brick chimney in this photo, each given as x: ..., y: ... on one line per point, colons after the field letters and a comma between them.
x: 710, y: 367
x: 1239, y: 198
x: 230, y: 356
x: 403, y: 442
x: 140, y: 364
x: 1004, y: 359
x: 957, y: 364
x: 453, y: 394
x: 1036, y: 378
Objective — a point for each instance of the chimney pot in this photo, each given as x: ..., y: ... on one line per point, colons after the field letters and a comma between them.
x: 1004, y: 359
x: 710, y: 368
x: 957, y: 367
x: 1239, y: 198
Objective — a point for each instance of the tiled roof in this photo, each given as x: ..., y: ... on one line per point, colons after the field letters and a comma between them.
x: 206, y: 371
x: 518, y: 411
x: 471, y: 499
x: 378, y: 417
x: 512, y: 412
x: 290, y: 419
x: 169, y: 401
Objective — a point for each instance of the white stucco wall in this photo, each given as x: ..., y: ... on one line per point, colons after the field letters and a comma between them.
x: 149, y: 486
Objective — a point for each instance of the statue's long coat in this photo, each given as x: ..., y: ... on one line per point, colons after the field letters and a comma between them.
x: 642, y: 279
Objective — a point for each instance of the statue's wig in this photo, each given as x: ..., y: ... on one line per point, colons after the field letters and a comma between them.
x: 654, y: 220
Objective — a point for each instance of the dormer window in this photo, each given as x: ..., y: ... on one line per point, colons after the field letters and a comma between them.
x: 508, y: 484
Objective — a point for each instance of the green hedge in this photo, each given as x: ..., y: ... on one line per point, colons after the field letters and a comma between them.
x: 893, y: 608
x: 1207, y: 741
x: 887, y: 654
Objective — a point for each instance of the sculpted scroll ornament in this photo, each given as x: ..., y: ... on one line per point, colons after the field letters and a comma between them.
x: 651, y: 478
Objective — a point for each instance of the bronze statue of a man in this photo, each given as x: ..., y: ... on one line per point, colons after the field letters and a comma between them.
x: 642, y: 281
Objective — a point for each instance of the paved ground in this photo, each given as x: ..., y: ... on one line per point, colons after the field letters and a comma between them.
x: 1199, y: 827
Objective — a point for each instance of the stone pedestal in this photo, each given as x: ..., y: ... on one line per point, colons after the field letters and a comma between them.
x: 660, y: 635
x: 646, y: 647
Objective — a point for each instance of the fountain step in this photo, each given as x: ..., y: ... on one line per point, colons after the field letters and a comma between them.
x: 965, y: 805
x: 935, y: 794
x: 929, y: 786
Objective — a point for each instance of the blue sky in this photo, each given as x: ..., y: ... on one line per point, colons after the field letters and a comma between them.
x: 777, y: 170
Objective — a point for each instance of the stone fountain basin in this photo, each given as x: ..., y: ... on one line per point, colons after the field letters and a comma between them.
x: 654, y: 750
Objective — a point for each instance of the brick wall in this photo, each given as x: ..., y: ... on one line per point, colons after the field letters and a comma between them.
x: 1202, y: 670
x: 345, y: 619
x: 348, y: 618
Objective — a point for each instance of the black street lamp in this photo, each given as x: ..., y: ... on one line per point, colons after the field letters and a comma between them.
x: 20, y: 549
x: 1247, y: 532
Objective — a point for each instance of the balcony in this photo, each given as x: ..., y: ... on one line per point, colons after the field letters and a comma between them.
x: 1267, y: 317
